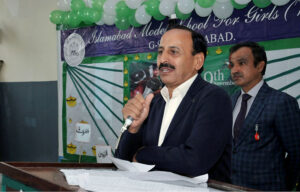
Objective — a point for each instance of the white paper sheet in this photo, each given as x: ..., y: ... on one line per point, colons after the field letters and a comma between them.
x: 109, y: 180
x: 131, y: 166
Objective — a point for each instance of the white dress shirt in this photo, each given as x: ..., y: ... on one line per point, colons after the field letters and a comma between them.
x: 252, y: 92
x: 172, y: 105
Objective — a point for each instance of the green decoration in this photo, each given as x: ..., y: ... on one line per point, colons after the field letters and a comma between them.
x: 95, y: 15
x: 77, y: 5
x: 132, y: 19
x: 73, y: 20
x: 87, y: 16
x: 206, y: 3
x: 122, y: 9
x: 181, y: 15
x: 152, y: 7
x: 238, y: 6
x: 98, y: 4
x: 56, y: 17
x: 159, y: 17
x: 262, y: 3
x: 122, y: 23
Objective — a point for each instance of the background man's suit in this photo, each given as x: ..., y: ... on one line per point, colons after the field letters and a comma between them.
x: 198, y: 140
x: 261, y: 164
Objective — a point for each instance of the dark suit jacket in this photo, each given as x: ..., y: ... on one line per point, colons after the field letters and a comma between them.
x: 198, y: 140
x: 262, y: 164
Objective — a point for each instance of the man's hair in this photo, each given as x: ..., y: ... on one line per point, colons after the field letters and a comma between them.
x: 258, y: 52
x: 199, y: 42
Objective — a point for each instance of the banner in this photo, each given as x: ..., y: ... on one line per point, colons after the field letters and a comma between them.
x: 250, y: 23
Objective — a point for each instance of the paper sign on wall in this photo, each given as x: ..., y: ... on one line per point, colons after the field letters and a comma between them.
x: 83, y: 132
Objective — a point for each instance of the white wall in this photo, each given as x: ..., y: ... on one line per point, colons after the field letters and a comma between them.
x: 28, y: 42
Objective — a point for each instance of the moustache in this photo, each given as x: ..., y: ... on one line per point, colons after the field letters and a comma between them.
x: 166, y: 65
x: 237, y: 74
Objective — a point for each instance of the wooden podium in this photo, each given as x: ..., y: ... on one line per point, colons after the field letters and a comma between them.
x: 30, y: 176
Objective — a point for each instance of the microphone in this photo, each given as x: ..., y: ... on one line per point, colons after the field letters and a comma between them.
x: 152, y: 85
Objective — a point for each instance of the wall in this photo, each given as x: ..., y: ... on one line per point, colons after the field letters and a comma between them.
x: 28, y: 81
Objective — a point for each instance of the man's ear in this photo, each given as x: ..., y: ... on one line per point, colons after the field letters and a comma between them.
x: 261, y: 66
x: 199, y: 61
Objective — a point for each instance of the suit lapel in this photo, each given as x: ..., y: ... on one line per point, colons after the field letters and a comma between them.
x: 254, y: 113
x: 185, y: 104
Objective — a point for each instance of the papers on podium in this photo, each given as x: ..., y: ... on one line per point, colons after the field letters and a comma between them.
x: 133, y: 177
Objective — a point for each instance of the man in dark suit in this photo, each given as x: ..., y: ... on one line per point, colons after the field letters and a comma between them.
x: 186, y: 128
x: 266, y: 131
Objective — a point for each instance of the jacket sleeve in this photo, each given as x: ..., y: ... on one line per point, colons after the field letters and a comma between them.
x: 128, y: 145
x: 287, y: 123
x: 210, y: 133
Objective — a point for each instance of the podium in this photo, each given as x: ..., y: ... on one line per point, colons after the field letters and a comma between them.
x: 33, y: 176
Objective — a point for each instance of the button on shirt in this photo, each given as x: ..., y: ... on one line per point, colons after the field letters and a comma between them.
x: 253, y: 92
x: 172, y: 105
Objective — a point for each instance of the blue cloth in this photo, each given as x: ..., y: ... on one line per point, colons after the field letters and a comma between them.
x: 261, y: 164
x: 198, y: 140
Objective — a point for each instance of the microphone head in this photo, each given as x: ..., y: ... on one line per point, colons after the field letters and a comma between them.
x: 154, y: 84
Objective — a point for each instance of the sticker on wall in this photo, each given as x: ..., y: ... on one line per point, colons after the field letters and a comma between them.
x: 74, y: 49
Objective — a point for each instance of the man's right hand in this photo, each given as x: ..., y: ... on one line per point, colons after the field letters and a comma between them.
x: 138, y: 109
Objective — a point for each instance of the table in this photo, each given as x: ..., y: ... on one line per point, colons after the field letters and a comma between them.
x: 35, y: 176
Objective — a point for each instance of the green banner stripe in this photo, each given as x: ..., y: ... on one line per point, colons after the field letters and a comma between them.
x: 298, y: 97
x: 289, y: 85
x: 97, y: 86
x: 99, y: 99
x: 96, y: 108
x: 64, y: 108
x: 99, y: 78
x: 100, y: 68
x: 282, y: 74
x: 75, y: 83
x: 284, y: 58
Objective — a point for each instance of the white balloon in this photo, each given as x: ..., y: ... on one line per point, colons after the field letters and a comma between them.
x: 202, y: 12
x: 167, y: 7
x: 223, y: 10
x: 280, y: 2
x: 108, y: 19
x: 133, y: 4
x: 186, y: 6
x: 141, y: 16
x: 109, y: 7
x: 242, y: 2
x: 64, y: 5
x: 101, y: 22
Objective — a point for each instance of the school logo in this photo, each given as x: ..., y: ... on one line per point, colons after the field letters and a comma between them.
x: 74, y: 49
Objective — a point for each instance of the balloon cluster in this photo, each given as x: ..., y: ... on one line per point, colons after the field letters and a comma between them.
x: 126, y: 13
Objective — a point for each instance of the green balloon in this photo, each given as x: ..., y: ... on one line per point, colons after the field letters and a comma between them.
x: 262, y: 3
x: 95, y: 15
x: 206, y: 3
x: 73, y: 20
x: 56, y: 16
x: 159, y: 17
x: 238, y: 6
x: 98, y: 4
x: 122, y: 9
x: 181, y: 15
x: 77, y: 5
x: 132, y: 19
x: 152, y: 7
x: 87, y: 15
x: 122, y: 23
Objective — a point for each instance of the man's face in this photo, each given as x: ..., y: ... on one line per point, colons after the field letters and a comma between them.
x: 243, y: 71
x: 175, y: 61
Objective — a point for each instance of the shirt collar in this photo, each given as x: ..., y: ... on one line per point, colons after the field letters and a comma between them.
x: 253, y: 92
x: 181, y: 90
